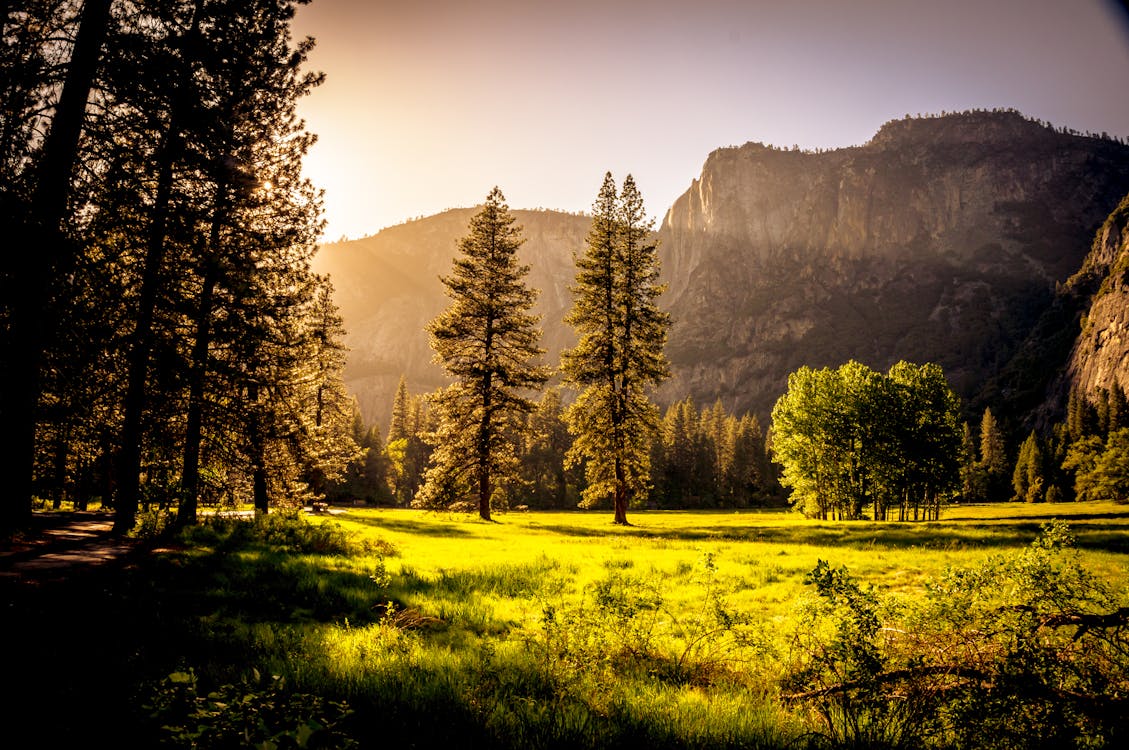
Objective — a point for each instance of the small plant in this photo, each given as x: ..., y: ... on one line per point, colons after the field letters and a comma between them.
x: 256, y: 712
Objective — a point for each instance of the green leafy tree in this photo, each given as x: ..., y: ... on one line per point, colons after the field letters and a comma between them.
x: 1101, y: 468
x: 851, y: 437
x: 619, y: 355
x: 487, y: 340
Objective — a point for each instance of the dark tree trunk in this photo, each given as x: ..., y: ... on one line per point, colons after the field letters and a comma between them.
x: 190, y: 476
x: 29, y: 319
x: 620, y: 494
x: 129, y: 472
x: 258, y: 453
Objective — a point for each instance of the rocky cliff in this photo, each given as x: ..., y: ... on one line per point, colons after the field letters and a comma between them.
x: 1101, y: 353
x: 942, y: 239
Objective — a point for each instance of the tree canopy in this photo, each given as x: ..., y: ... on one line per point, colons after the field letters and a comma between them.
x: 852, y: 439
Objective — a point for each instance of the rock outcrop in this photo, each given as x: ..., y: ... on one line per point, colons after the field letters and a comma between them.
x: 1101, y: 353
x: 942, y: 239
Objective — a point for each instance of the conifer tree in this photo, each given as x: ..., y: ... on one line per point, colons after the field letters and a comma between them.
x: 993, y: 456
x: 969, y: 474
x: 619, y: 355
x: 400, y: 426
x: 487, y: 340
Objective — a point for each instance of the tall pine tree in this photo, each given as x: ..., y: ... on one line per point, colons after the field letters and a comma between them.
x: 619, y: 356
x: 487, y: 340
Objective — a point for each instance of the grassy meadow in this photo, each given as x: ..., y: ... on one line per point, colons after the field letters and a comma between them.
x: 537, y: 630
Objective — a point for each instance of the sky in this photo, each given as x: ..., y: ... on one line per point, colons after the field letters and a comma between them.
x: 428, y: 104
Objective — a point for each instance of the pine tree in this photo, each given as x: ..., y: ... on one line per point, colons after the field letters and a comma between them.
x: 487, y: 340
x: 400, y: 427
x: 993, y: 456
x: 619, y: 356
x: 969, y: 474
x: 1118, y: 415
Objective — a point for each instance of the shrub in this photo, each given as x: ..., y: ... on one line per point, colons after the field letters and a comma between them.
x: 286, y: 532
x: 257, y: 712
x: 1025, y: 650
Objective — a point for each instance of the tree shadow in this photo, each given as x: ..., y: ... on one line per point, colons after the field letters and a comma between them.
x: 870, y: 535
x: 410, y: 526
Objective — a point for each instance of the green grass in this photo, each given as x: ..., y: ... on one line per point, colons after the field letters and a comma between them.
x: 537, y: 630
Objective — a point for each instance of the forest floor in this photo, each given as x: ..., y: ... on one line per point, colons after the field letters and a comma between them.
x: 59, y: 544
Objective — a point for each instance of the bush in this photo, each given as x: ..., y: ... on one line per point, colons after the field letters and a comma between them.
x: 257, y: 712
x: 286, y: 532
x: 1026, y: 650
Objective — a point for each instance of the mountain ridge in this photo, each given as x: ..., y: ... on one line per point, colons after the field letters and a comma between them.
x: 940, y: 239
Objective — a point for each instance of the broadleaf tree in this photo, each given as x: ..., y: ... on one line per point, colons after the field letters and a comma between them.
x: 488, y: 341
x: 619, y: 355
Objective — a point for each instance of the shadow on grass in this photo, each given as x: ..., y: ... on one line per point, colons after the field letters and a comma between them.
x: 410, y: 526
x: 869, y: 535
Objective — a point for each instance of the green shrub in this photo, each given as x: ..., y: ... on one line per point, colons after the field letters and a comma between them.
x: 285, y: 532
x: 1026, y: 650
x: 255, y: 713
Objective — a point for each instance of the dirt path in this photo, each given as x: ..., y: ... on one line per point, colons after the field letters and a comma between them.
x: 59, y: 544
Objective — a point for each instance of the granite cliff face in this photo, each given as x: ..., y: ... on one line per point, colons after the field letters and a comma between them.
x: 1101, y: 353
x: 942, y: 239
x: 387, y: 288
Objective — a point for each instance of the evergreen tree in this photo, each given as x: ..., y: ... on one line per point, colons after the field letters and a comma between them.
x: 971, y: 486
x: 40, y: 138
x: 619, y: 356
x: 543, y: 462
x: 400, y: 427
x: 1029, y: 478
x: 487, y: 339
x: 1118, y: 414
x: 993, y: 463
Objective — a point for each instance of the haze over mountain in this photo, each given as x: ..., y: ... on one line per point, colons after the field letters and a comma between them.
x: 941, y: 239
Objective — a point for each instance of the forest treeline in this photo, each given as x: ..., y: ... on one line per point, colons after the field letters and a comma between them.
x: 701, y: 457
x: 165, y: 340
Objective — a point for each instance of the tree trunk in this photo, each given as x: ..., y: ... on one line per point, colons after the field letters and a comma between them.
x: 190, y: 476
x: 258, y: 454
x: 29, y: 322
x: 484, y: 496
x: 620, y: 494
x: 133, y: 408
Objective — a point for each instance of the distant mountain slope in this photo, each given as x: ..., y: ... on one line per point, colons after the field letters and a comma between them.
x: 942, y: 239
x: 388, y: 289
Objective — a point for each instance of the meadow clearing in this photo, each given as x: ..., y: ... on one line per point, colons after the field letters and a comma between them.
x: 381, y: 626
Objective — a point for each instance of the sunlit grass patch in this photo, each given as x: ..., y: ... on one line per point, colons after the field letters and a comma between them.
x: 548, y: 629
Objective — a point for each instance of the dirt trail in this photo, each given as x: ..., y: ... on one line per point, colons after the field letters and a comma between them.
x: 59, y: 544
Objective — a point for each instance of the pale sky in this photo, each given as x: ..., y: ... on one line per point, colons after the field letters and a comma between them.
x: 430, y: 103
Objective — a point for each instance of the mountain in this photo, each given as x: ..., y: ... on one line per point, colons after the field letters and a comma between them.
x: 387, y: 288
x: 1101, y: 353
x: 942, y: 239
